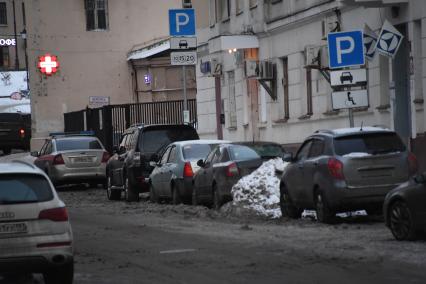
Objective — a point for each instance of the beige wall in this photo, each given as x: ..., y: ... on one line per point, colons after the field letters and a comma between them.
x: 91, y: 62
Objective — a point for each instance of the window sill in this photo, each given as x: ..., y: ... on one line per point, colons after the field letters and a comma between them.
x: 281, y: 120
x: 239, y: 13
x: 98, y: 30
x: 383, y: 108
x: 331, y: 112
x: 418, y: 101
x: 262, y: 125
x: 227, y: 20
x: 253, y: 7
x: 360, y: 109
x: 232, y: 128
x: 305, y: 117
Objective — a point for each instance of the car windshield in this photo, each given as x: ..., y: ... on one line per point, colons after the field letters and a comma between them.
x: 370, y: 143
x: 242, y: 153
x: 194, y: 152
x: 24, y: 188
x: 153, y: 140
x: 268, y: 150
x: 81, y: 143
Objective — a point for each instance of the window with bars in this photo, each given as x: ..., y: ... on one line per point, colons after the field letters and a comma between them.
x: 3, y: 13
x: 96, y: 15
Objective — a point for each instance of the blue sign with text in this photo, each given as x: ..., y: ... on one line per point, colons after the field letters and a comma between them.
x: 345, y: 49
x: 182, y: 22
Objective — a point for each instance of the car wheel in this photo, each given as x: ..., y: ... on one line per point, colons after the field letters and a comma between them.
x: 7, y: 151
x: 112, y: 193
x: 217, y: 199
x: 93, y: 185
x: 194, y: 200
x: 152, y: 195
x: 287, y: 207
x: 130, y: 192
x: 401, y: 222
x: 63, y: 274
x: 175, y: 196
x: 324, y: 214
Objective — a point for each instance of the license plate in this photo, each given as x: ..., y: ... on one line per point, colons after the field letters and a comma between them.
x: 13, y: 228
x: 83, y: 160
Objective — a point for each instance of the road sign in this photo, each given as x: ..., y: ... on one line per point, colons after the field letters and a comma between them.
x: 345, y: 49
x: 389, y: 40
x: 348, y: 77
x: 370, y: 41
x: 349, y: 99
x: 186, y: 117
x: 182, y: 22
x: 183, y: 43
x: 98, y: 101
x: 183, y: 58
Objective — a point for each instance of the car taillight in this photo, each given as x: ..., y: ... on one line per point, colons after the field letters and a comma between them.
x: 335, y: 167
x: 187, y: 170
x: 232, y: 170
x: 56, y: 214
x: 58, y: 160
x: 412, y: 164
x: 105, y: 157
x: 22, y: 133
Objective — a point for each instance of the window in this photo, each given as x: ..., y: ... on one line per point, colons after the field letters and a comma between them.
x: 172, y: 156
x: 239, y: 6
x: 212, y: 12
x: 165, y: 156
x: 3, y: 13
x: 78, y: 144
x: 96, y: 14
x: 232, y: 111
x: 4, y: 57
x: 285, y: 88
x: 373, y: 143
x: 253, y: 3
x: 194, y: 152
x: 303, y: 152
x: 225, y: 9
x: 242, y: 153
x: 24, y: 188
x: 317, y: 148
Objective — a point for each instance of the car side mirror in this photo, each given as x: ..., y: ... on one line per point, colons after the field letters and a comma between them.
x: 35, y: 154
x: 421, y: 178
x: 155, y: 158
x: 200, y: 163
x: 153, y: 164
x: 288, y: 157
x: 121, y: 150
x: 115, y: 149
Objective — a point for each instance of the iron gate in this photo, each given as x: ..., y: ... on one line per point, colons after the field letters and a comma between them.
x: 109, y: 122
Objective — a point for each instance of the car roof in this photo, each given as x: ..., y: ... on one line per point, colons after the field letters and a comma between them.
x: 18, y: 167
x: 251, y: 143
x: 354, y: 130
x: 201, y: 141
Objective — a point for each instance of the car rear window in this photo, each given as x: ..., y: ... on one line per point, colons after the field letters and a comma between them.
x: 77, y: 144
x: 10, y: 116
x: 155, y: 139
x: 268, y: 150
x: 242, y: 153
x: 370, y: 143
x: 195, y: 152
x: 24, y: 188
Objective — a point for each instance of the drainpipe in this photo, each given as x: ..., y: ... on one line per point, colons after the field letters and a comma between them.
x: 135, y: 74
x: 218, y: 94
x: 16, y: 37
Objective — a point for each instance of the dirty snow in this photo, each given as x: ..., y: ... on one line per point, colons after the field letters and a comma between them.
x: 357, y: 155
x: 260, y: 191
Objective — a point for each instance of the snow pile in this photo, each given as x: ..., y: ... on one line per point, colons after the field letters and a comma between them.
x: 260, y: 191
x: 357, y: 155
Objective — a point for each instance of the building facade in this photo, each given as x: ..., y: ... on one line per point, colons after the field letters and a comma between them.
x: 93, y: 41
x: 292, y: 98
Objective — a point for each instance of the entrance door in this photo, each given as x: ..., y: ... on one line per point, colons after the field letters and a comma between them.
x: 401, y: 103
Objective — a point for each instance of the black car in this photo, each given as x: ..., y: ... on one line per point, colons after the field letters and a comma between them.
x: 222, y: 168
x: 15, y: 131
x: 129, y: 168
x: 267, y: 150
x: 405, y: 209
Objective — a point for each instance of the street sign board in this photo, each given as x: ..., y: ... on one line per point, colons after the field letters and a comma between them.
x: 183, y: 43
x: 345, y: 49
x: 98, y: 101
x: 389, y: 40
x: 349, y: 99
x: 186, y: 117
x: 182, y: 22
x: 370, y: 42
x: 348, y: 77
x: 183, y: 58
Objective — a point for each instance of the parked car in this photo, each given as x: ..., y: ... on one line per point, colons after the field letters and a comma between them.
x: 222, y: 168
x: 267, y: 150
x: 172, y: 177
x: 343, y: 170
x: 405, y: 209
x: 129, y: 168
x: 15, y: 131
x: 35, y: 234
x: 73, y: 158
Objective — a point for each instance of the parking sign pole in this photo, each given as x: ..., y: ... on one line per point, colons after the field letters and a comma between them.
x: 185, y: 105
x: 351, y: 118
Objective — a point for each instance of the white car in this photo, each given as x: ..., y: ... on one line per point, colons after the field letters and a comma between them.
x: 35, y: 233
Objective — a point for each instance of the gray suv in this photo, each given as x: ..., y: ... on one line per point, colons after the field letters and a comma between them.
x: 343, y: 170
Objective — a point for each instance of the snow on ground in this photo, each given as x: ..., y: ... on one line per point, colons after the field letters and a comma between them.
x: 260, y: 191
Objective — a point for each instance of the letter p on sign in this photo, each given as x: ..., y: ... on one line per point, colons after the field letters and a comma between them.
x: 345, y: 49
x: 182, y: 22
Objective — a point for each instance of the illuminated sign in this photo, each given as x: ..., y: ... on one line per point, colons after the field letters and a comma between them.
x: 48, y: 64
x: 7, y: 42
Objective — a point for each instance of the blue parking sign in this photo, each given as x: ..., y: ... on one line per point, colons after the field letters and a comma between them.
x: 182, y: 22
x: 345, y: 49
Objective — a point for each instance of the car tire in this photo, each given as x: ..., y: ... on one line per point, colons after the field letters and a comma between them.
x: 194, y: 199
x: 324, y: 214
x: 176, y: 200
x: 130, y: 192
x: 287, y: 207
x: 152, y: 195
x: 217, y: 199
x: 93, y: 185
x: 63, y: 274
x: 7, y: 151
x: 112, y: 193
x: 401, y: 221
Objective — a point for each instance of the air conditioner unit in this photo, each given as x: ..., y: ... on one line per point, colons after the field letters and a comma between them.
x: 251, y: 68
x: 266, y: 70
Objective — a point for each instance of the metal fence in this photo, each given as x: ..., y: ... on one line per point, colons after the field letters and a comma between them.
x: 109, y: 122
